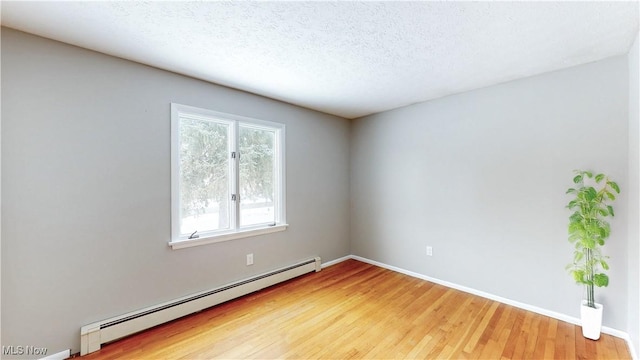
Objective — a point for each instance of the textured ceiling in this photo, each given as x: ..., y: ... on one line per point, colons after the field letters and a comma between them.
x: 344, y: 58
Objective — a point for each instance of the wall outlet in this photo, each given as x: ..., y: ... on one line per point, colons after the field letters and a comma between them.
x: 249, y: 259
x: 429, y: 251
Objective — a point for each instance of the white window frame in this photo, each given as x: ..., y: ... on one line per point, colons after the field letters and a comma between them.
x: 179, y: 241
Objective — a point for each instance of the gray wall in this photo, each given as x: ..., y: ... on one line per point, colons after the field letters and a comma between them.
x: 86, y: 197
x: 634, y: 197
x: 481, y: 176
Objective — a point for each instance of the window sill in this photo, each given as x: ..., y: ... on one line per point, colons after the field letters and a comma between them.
x: 181, y: 244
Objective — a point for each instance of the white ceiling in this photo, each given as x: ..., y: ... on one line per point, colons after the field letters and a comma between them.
x: 345, y: 58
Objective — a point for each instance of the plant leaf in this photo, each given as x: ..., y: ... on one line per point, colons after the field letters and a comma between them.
x: 577, y: 179
x: 614, y: 186
x: 578, y: 256
x: 589, y: 243
x: 610, y: 195
x: 578, y: 275
x: 599, y: 177
x: 610, y: 208
x: 600, y: 280
x: 575, y: 217
x: 607, y: 230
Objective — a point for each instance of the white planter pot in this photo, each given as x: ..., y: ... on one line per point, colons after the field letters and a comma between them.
x: 591, y: 320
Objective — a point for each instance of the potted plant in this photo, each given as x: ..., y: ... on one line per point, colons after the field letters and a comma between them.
x: 588, y: 231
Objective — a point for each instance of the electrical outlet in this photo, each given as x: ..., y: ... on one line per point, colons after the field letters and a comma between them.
x: 249, y: 259
x: 429, y: 251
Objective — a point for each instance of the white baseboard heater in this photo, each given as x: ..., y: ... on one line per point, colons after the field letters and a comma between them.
x: 92, y: 336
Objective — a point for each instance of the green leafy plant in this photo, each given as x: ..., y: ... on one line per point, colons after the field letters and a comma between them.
x: 589, y: 229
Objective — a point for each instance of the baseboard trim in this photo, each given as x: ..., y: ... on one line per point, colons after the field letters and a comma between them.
x: 336, y: 261
x: 632, y: 350
x: 59, y: 356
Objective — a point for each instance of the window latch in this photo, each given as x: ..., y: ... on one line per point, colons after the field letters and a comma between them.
x: 193, y: 235
x: 234, y: 197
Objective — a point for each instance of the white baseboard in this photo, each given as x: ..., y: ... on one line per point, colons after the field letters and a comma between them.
x: 632, y: 350
x: 538, y: 310
x: 59, y: 356
x: 336, y: 261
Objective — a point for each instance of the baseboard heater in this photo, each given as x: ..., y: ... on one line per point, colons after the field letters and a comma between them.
x: 92, y: 336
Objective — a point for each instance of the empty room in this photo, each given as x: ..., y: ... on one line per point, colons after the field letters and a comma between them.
x: 306, y: 180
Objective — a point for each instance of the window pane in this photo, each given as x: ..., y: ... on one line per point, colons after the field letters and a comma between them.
x: 204, y: 175
x: 257, y: 160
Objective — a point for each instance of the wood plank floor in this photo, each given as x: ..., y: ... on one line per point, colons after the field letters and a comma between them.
x: 354, y: 310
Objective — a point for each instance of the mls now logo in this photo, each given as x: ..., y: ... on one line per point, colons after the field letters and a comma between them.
x: 23, y: 350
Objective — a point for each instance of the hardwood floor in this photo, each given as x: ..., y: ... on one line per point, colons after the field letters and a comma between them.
x: 354, y: 310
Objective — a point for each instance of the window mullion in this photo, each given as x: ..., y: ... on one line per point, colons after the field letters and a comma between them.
x: 235, y: 176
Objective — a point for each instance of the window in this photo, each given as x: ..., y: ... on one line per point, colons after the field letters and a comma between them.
x: 227, y: 176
